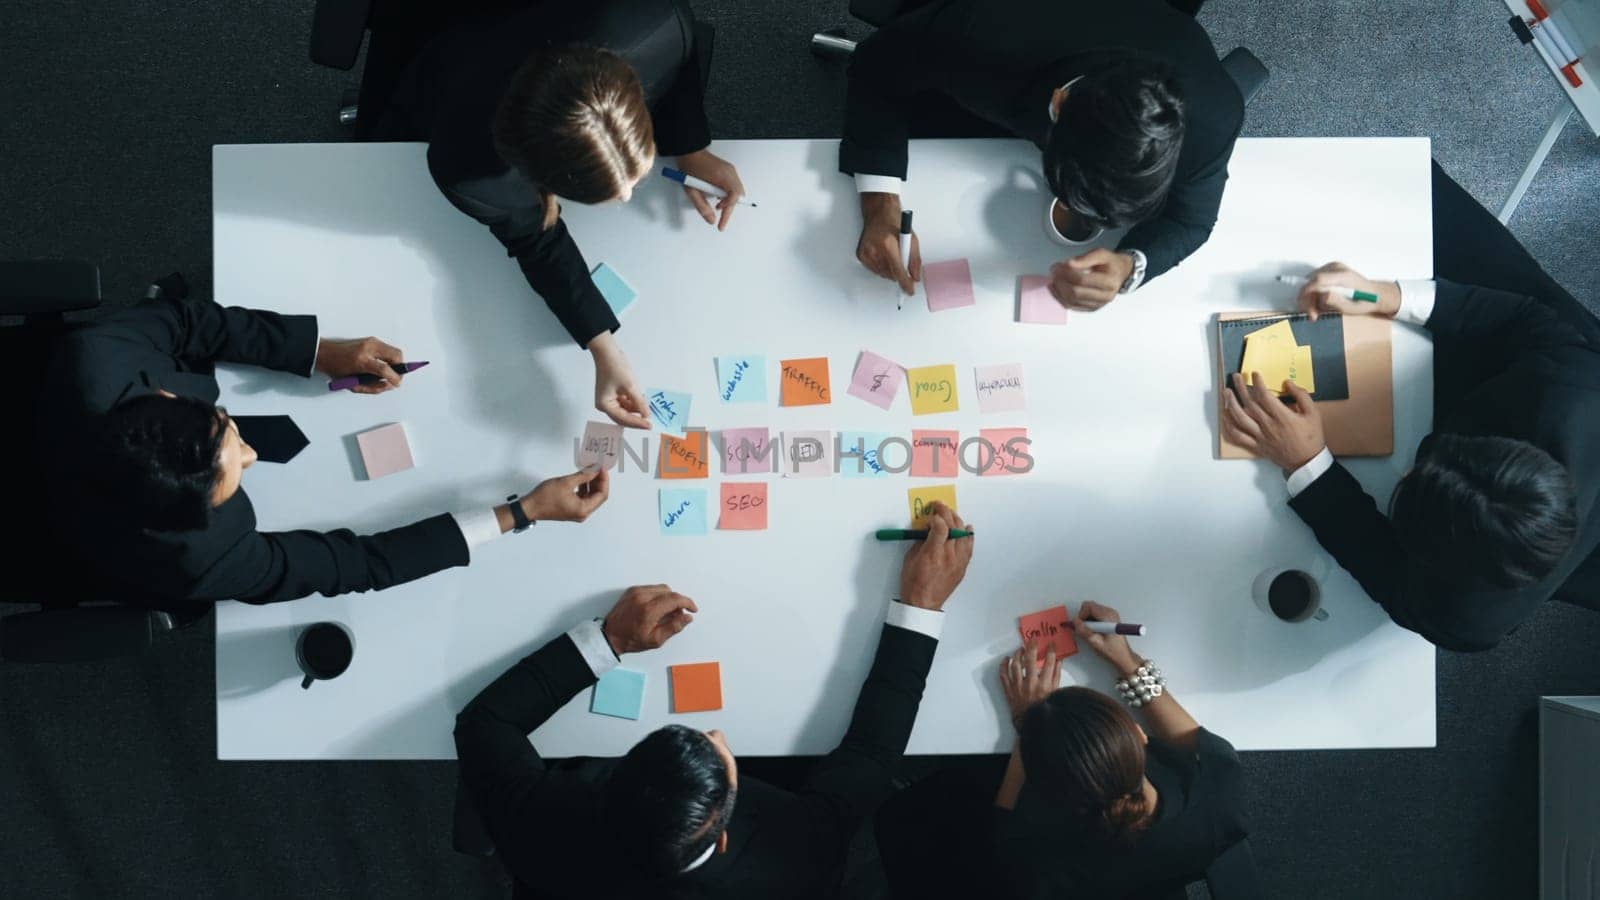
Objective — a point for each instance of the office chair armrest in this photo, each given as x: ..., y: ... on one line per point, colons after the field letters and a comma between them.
x: 337, y: 28
x: 30, y: 287
x: 78, y: 634
x: 1233, y: 875
x: 1249, y: 74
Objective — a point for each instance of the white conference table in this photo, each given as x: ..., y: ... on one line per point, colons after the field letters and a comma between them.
x: 1126, y: 505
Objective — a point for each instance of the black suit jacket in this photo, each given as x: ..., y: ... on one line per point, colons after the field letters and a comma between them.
x: 544, y: 819
x: 1504, y: 365
x: 449, y: 95
x: 1002, y: 59
x: 173, y: 345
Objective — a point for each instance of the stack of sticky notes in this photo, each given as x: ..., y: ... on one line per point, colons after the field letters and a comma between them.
x: 696, y: 687
x: 384, y: 450
x: 1272, y: 351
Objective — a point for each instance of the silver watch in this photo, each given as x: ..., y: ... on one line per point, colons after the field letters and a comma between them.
x: 1136, y: 278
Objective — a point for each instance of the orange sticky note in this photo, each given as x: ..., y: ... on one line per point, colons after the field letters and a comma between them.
x: 744, y: 506
x: 696, y: 687
x: 921, y: 498
x: 684, y: 457
x: 933, y: 454
x: 1051, y: 628
x: 805, y: 382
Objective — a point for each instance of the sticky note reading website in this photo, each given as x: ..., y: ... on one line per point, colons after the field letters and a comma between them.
x: 742, y: 379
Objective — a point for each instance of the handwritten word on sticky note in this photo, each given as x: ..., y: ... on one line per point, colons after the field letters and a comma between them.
x: 747, y: 451
x: 933, y: 454
x: 385, y: 450
x: 859, y: 454
x: 742, y: 379
x: 1000, y: 388
x: 1050, y: 628
x: 669, y: 409
x: 600, y: 445
x: 620, y: 693
x: 949, y: 284
x: 1005, y: 451
x: 1272, y: 351
x: 922, y: 498
x: 682, y: 511
x: 619, y: 295
x: 805, y: 382
x: 1036, y: 305
x: 685, y: 457
x: 807, y: 454
x: 876, y: 380
x: 744, y: 506
x: 696, y: 687
x: 933, y: 390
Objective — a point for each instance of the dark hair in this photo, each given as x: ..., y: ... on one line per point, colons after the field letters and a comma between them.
x: 157, y: 460
x: 574, y: 122
x: 1487, y: 510
x: 1084, y: 752
x: 1113, y: 152
x: 668, y: 800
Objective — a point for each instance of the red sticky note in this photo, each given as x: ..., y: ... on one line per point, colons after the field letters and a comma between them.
x: 805, y: 382
x: 744, y: 506
x: 684, y: 457
x: 933, y: 454
x: 696, y: 687
x: 1005, y: 451
x: 1051, y: 628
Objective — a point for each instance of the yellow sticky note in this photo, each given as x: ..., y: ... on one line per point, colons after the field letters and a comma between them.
x: 921, y: 498
x: 1301, y: 372
x: 1273, y: 360
x: 933, y: 390
x: 1278, y: 332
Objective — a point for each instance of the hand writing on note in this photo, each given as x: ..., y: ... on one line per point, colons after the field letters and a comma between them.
x: 645, y: 617
x: 570, y: 498
x: 1090, y: 281
x: 1113, y: 648
x: 360, y: 356
x: 1289, y: 434
x: 935, y: 566
x: 615, y: 393
x: 712, y: 169
x: 1026, y: 678
x: 879, y: 247
x: 1316, y: 296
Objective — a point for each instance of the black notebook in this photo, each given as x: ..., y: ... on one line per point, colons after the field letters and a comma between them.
x: 1325, y: 337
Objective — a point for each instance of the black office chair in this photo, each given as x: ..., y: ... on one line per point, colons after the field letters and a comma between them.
x: 70, y: 626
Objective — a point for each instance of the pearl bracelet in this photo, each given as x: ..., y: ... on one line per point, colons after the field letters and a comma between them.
x: 1143, y: 686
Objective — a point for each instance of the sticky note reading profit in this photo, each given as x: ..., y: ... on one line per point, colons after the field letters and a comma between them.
x: 684, y: 457
x: 876, y: 380
x: 807, y: 454
x: 385, y: 450
x: 747, y: 451
x: 933, y: 454
x: 682, y: 511
x: 805, y: 382
x: 860, y: 452
x: 1000, y: 388
x: 618, y: 293
x: 921, y: 498
x: 744, y: 506
x: 933, y: 390
x: 742, y: 379
x: 1005, y: 451
x: 949, y: 284
x: 1036, y: 305
x: 600, y: 445
x: 696, y: 687
x: 1051, y: 628
x: 669, y: 409
x: 620, y: 693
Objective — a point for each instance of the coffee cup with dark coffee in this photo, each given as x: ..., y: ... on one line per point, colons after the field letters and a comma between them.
x: 1066, y: 227
x: 324, y: 651
x: 1289, y: 595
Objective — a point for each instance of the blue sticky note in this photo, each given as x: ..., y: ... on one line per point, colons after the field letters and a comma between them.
x: 620, y: 693
x: 682, y: 511
x: 742, y: 379
x: 858, y: 453
x: 619, y: 296
x: 669, y: 409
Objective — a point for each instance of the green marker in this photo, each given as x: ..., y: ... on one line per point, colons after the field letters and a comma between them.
x: 1345, y: 292
x: 915, y: 534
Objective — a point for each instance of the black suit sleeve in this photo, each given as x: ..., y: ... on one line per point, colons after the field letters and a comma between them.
x: 200, y: 332
x: 893, y: 65
x: 679, y: 116
x: 1185, y: 220
x: 1479, y: 332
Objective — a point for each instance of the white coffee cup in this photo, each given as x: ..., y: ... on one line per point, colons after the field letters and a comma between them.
x: 1052, y: 229
x: 1299, y: 596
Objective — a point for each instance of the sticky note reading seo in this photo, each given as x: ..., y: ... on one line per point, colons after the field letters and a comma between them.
x: 619, y: 295
x: 744, y: 506
x: 684, y: 457
x: 807, y: 454
x: 682, y: 511
x: 1036, y: 305
x: 742, y: 379
x: 620, y: 693
x: 921, y: 498
x: 747, y: 451
x: 1005, y: 451
x: 669, y: 409
x: 1000, y: 388
x: 1050, y: 628
x: 948, y: 285
x: 696, y: 687
x: 876, y: 380
x: 933, y: 454
x: 600, y: 446
x: 805, y: 382
x: 933, y: 390
x: 859, y: 453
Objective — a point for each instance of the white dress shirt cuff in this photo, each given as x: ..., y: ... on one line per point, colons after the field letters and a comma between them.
x: 478, y: 527
x: 879, y: 184
x: 1416, y: 300
x: 1301, y: 478
x: 914, y: 618
x: 316, y: 348
x: 592, y: 644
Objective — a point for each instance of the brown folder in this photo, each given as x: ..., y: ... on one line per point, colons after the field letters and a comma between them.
x: 1363, y: 424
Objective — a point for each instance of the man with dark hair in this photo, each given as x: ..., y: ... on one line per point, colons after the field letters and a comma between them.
x: 151, y: 467
x: 1135, y: 117
x: 674, y: 818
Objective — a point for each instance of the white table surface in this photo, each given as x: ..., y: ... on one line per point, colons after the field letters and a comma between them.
x: 1126, y: 504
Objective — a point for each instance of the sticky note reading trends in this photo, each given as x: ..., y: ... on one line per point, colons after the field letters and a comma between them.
x: 669, y: 409
x: 620, y: 693
x: 682, y: 512
x: 696, y: 687
x: 876, y: 380
x: 933, y: 390
x: 805, y: 382
x: 744, y: 506
x: 1050, y: 628
x: 742, y: 379
x: 921, y: 498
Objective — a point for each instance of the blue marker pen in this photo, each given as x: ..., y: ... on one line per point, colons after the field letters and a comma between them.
x: 704, y: 187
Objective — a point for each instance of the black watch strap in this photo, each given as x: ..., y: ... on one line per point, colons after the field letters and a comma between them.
x: 519, y: 519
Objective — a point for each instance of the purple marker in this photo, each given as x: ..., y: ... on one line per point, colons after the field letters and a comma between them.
x: 1116, y: 628
x: 353, y: 381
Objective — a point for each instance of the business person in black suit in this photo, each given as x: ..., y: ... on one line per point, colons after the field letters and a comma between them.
x: 1134, y: 115
x: 1498, y: 512
x: 564, y: 101
x: 150, y: 468
x: 674, y: 818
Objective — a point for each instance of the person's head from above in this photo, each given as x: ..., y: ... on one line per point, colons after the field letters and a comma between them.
x: 669, y: 800
x: 1113, y: 151
x: 575, y: 123
x: 167, y: 461
x: 1085, y: 754
x: 1485, y: 510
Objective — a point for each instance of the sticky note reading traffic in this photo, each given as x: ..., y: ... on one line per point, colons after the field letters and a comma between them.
x: 696, y: 687
x: 1050, y: 628
x: 600, y: 445
x: 933, y: 390
x: 682, y: 511
x: 1036, y: 305
x: 807, y: 454
x: 684, y: 457
x: 669, y: 409
x: 922, y: 498
x: 620, y: 693
x: 805, y: 382
x: 1005, y: 451
x: 747, y: 451
x: 742, y: 379
x: 876, y: 380
x: 859, y: 454
x: 744, y: 506
x: 948, y: 284
x: 619, y: 295
x: 1000, y: 388
x: 933, y: 454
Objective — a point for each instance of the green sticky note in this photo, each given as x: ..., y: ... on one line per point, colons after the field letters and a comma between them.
x: 619, y: 295
x: 620, y: 693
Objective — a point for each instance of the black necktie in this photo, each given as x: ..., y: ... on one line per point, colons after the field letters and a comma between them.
x: 276, y: 438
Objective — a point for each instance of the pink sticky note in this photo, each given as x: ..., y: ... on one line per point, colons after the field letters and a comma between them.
x: 747, y: 451
x: 949, y: 284
x: 601, y: 444
x: 807, y: 454
x: 384, y: 450
x: 1036, y: 304
x: 1000, y: 388
x: 876, y: 380
x: 1050, y: 628
x: 744, y: 506
x: 933, y: 454
x: 1005, y: 451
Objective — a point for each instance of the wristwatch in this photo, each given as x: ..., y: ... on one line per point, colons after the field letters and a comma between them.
x: 1137, y: 277
x: 519, y: 519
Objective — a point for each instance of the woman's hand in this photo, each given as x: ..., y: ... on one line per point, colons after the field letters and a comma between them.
x: 614, y: 390
x: 1026, y: 682
x: 1113, y: 648
x: 709, y: 167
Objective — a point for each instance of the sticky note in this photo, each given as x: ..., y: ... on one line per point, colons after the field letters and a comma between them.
x: 876, y: 380
x: 696, y: 687
x: 1036, y: 305
x: 860, y: 452
x: 744, y: 506
x: 1051, y: 628
x: 684, y: 457
x: 807, y: 454
x: 618, y: 293
x: 1272, y: 351
x: 669, y: 409
x: 600, y: 445
x: 1004, y: 451
x: 682, y: 511
x: 805, y: 382
x: 948, y: 284
x: 742, y: 379
x: 1278, y: 332
x: 933, y: 390
x: 920, y: 498
x: 1301, y: 371
x: 1000, y: 388
x: 748, y: 451
x: 933, y: 454
x: 384, y: 450
x: 620, y: 693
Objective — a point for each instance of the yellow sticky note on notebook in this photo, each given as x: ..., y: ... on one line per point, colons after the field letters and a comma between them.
x: 921, y: 498
x: 932, y: 389
x: 1278, y: 332
x: 1300, y: 370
